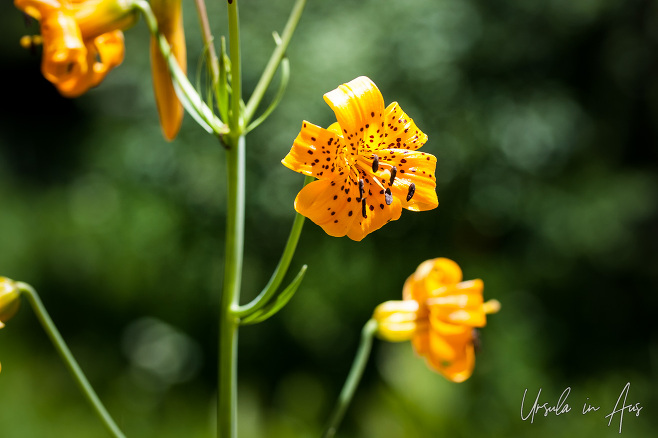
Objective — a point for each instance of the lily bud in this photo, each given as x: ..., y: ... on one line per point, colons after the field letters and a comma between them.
x: 9, y: 300
x: 397, y: 320
x: 169, y: 15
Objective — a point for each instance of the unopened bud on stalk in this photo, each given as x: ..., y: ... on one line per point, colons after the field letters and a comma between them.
x: 169, y: 15
x: 9, y: 299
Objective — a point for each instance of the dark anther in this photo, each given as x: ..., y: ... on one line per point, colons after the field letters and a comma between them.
x: 394, y: 171
x: 477, y: 342
x: 375, y: 163
x: 412, y: 190
x: 363, y: 208
x: 361, y: 188
x: 388, y: 196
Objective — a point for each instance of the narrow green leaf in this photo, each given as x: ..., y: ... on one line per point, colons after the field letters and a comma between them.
x: 277, y: 304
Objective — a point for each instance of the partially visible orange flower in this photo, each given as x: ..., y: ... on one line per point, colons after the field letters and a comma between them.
x: 9, y: 300
x: 169, y: 15
x: 82, y: 39
x: 439, y: 315
x: 367, y: 164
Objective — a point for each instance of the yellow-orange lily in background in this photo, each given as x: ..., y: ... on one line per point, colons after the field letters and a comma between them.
x: 439, y: 315
x: 367, y: 164
x: 170, y: 23
x: 82, y: 40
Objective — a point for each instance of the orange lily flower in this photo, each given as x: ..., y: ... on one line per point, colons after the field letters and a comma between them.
x: 439, y: 315
x: 82, y: 40
x: 367, y: 164
x: 169, y: 15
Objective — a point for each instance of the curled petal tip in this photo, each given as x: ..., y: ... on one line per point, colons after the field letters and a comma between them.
x: 491, y: 306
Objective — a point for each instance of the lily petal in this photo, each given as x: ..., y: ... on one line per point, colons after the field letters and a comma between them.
x: 358, y: 106
x: 327, y: 205
x: 316, y: 152
x: 375, y: 210
x: 402, y: 131
x: 170, y: 23
x: 377, y: 215
x: 411, y: 167
x: 111, y: 50
x: 64, y: 53
x: 431, y: 275
x: 454, y: 357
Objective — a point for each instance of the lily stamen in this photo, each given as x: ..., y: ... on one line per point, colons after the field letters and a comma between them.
x: 388, y: 197
x: 394, y: 172
x: 375, y: 163
x: 412, y: 190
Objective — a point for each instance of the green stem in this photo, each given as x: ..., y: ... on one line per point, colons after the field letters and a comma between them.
x: 228, y: 321
x: 68, y: 358
x: 236, y: 115
x: 227, y: 411
x: 353, y: 378
x: 281, y: 269
x: 274, y: 61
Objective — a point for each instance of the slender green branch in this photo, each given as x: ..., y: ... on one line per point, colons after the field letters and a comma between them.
x: 284, y: 262
x: 208, y: 40
x: 188, y: 96
x: 236, y: 119
x: 209, y: 43
x: 275, y: 59
x: 353, y: 378
x: 68, y: 358
x: 285, y: 77
x: 276, y: 304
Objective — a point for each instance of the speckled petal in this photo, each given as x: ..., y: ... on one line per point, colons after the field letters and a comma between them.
x: 401, y: 129
x: 316, y: 152
x: 358, y: 106
x: 327, y: 204
x: 411, y: 167
x: 377, y: 213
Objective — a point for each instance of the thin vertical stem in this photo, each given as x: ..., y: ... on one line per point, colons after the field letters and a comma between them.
x: 228, y: 320
x: 353, y: 378
x: 69, y: 360
x: 228, y: 326
x: 235, y: 117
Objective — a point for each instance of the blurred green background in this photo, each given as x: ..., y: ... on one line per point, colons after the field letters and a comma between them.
x: 542, y: 115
